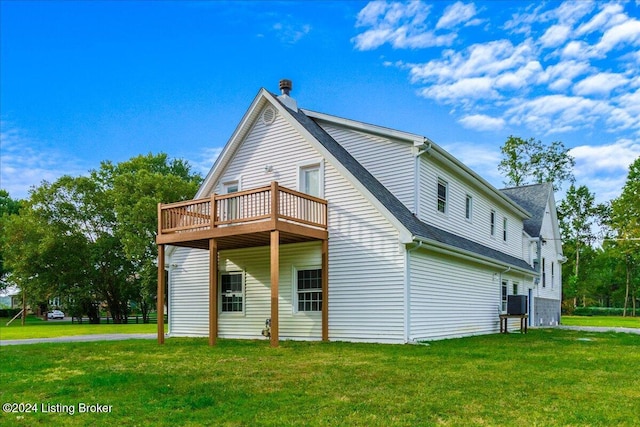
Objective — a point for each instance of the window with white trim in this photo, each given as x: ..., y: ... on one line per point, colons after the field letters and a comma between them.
x: 468, y: 207
x: 230, y: 208
x: 552, y: 273
x: 232, y: 292
x: 492, y: 219
x: 311, y: 180
x: 544, y: 273
x: 309, y: 289
x: 504, y: 228
x: 504, y: 292
x: 442, y: 195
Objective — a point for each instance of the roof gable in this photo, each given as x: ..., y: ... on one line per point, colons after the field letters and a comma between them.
x: 409, y: 226
x: 535, y: 199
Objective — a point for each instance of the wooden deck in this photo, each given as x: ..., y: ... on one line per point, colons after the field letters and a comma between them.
x: 243, y: 219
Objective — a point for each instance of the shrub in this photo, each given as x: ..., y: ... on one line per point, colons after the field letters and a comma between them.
x: 597, y: 311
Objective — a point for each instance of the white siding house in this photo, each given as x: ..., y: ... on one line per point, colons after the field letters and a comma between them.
x: 411, y: 245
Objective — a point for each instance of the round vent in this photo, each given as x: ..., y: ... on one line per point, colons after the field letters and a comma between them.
x: 268, y: 116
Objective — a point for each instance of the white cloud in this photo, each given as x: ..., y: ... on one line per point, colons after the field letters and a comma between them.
x: 205, y: 160
x: 610, y: 15
x: 555, y: 35
x: 402, y: 25
x: 551, y: 114
x: 25, y: 162
x: 455, y: 14
x: 600, y: 84
x: 627, y: 32
x: 462, y: 90
x: 611, y: 157
x: 290, y: 32
x: 482, y: 122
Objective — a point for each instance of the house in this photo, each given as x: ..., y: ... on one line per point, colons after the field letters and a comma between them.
x: 311, y: 226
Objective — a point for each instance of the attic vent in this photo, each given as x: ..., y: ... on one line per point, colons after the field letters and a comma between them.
x: 268, y: 116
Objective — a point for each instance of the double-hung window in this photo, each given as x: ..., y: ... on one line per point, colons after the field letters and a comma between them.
x: 231, y: 208
x: 504, y: 291
x: 504, y: 228
x: 492, y: 220
x: 442, y: 196
x: 309, y: 289
x: 232, y: 290
x: 468, y: 207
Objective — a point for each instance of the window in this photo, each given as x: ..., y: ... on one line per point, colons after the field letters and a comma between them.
x: 231, y: 288
x: 310, y: 180
x: 468, y: 207
x: 544, y: 274
x: 309, y: 289
x: 515, y: 288
x: 504, y: 295
x: 442, y: 196
x: 552, y: 273
x: 504, y: 228
x: 492, y: 219
x: 230, y: 209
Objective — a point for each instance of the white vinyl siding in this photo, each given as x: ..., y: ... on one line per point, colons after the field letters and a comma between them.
x: 390, y: 161
x: 366, y: 263
x: 451, y: 297
x: 188, y: 292
x: 459, y: 189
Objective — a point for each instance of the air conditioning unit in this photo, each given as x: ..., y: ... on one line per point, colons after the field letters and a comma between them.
x: 517, y: 304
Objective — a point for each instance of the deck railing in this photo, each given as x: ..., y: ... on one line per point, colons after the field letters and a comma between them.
x: 271, y: 202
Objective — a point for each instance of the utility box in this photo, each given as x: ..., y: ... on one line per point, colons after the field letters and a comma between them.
x: 517, y: 304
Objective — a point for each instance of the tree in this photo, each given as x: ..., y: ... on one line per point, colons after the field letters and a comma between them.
x: 92, y: 239
x: 136, y: 187
x: 8, y: 206
x: 577, y: 214
x: 625, y: 221
x: 531, y: 162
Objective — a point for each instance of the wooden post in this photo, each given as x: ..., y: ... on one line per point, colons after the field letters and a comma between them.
x: 275, y: 277
x: 325, y: 290
x: 160, y: 298
x: 214, y: 210
x: 275, y: 196
x: 213, y: 291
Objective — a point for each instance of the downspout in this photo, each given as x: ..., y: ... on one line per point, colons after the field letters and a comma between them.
x: 407, y: 292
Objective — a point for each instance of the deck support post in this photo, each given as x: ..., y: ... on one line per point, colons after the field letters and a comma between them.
x: 325, y: 290
x: 160, y: 294
x: 275, y: 277
x: 213, y: 291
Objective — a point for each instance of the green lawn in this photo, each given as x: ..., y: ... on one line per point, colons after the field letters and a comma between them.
x: 38, y: 328
x: 604, y: 321
x: 548, y: 377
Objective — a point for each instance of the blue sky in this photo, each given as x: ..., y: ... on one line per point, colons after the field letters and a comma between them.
x: 82, y: 82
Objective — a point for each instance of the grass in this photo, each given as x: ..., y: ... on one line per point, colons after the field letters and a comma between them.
x: 548, y: 377
x: 602, y: 321
x: 38, y: 328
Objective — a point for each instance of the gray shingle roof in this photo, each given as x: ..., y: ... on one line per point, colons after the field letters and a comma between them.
x: 418, y: 228
x: 533, y: 198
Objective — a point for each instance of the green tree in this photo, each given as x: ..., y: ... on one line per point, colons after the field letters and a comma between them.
x: 529, y: 161
x: 625, y: 221
x: 8, y: 206
x: 577, y: 214
x: 136, y: 187
x: 92, y: 239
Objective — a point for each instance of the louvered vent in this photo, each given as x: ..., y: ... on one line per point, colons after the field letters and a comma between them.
x: 268, y: 115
